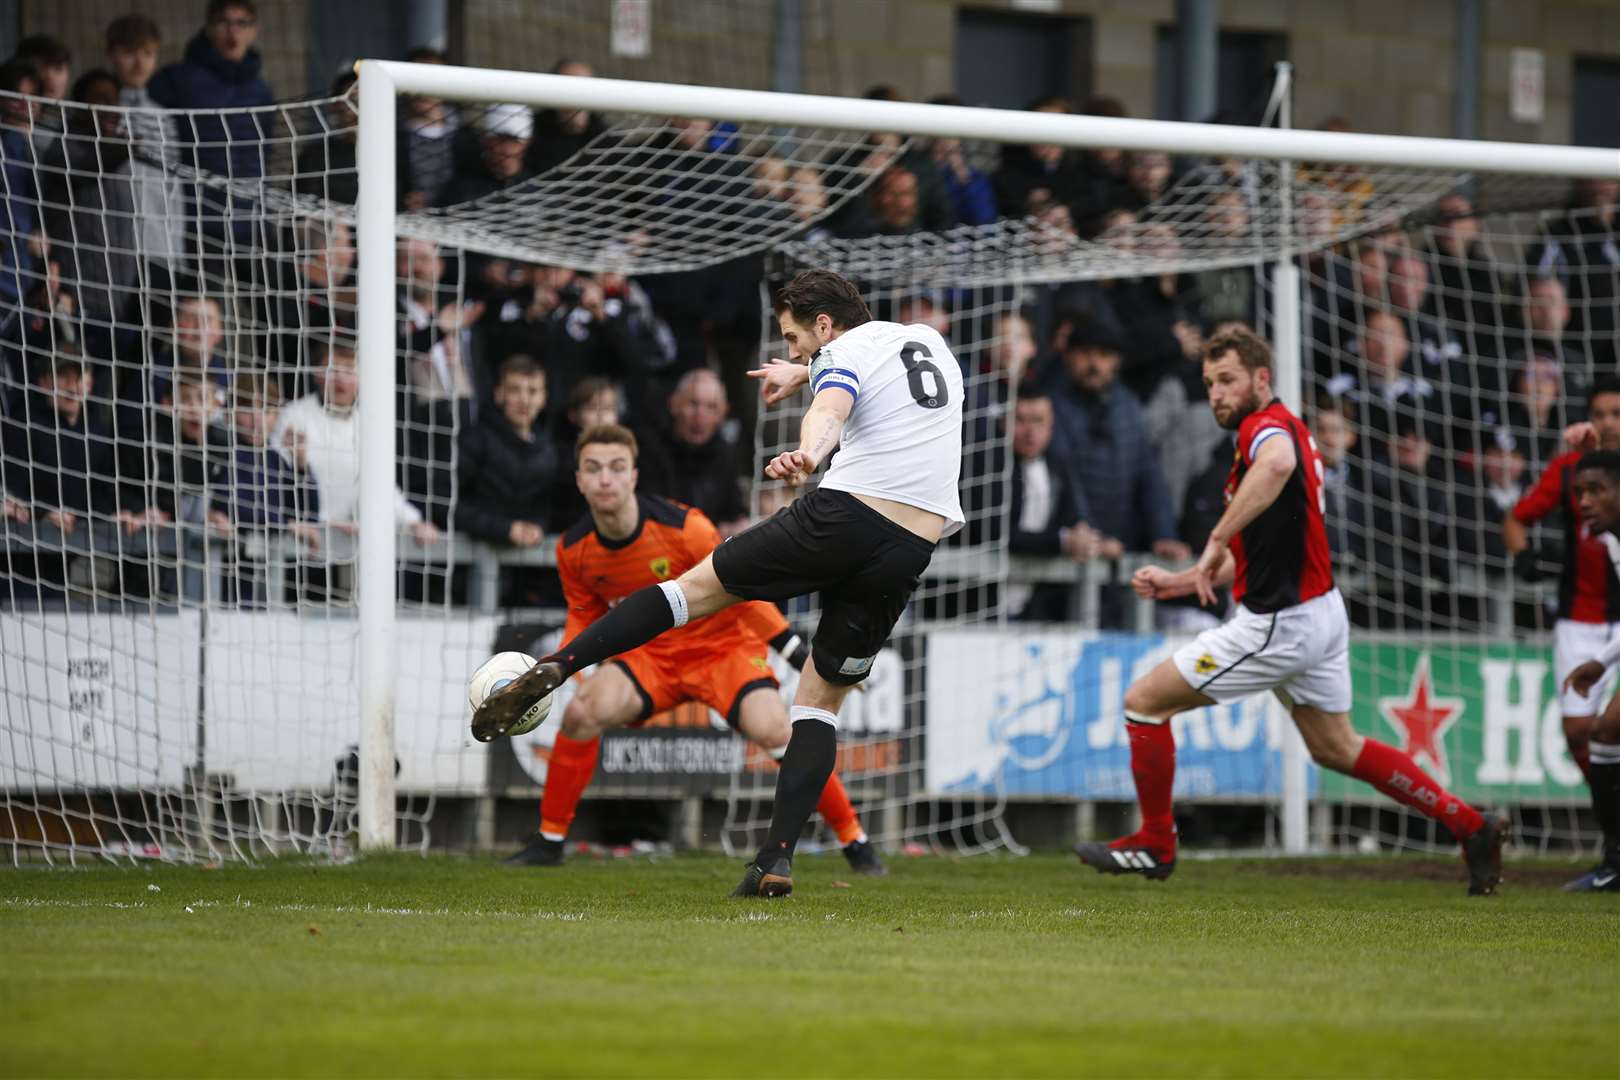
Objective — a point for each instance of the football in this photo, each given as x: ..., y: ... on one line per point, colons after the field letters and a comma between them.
x: 496, y: 673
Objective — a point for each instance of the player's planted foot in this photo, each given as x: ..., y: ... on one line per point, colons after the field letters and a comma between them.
x: 1604, y: 878
x: 537, y: 852
x: 770, y: 883
x: 1129, y: 855
x: 1483, y: 854
x: 863, y: 859
x: 501, y: 711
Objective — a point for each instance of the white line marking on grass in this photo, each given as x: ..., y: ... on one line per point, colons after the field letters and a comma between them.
x: 294, y: 908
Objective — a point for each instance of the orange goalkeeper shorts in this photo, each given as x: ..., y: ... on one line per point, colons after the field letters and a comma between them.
x: 719, y: 678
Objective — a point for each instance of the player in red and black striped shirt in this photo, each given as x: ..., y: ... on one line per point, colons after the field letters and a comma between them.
x: 1290, y: 634
x: 1588, y: 589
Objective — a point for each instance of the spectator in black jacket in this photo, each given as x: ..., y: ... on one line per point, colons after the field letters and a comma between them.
x: 1102, y: 437
x: 691, y: 460
x: 1033, y: 176
x: 560, y: 134
x: 1045, y: 511
x: 508, y: 464
x: 60, y: 460
x: 593, y: 402
x: 1486, y: 497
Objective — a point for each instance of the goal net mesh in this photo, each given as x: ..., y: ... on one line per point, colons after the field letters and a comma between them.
x: 181, y: 463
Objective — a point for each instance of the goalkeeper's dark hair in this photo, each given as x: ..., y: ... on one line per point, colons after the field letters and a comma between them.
x: 607, y: 435
x: 1604, y: 461
x: 1603, y: 384
x: 822, y: 292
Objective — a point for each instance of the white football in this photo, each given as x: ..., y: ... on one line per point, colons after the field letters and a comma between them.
x: 496, y: 673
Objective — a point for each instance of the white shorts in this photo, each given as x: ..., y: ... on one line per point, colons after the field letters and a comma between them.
x: 1301, y: 652
x: 1574, y: 643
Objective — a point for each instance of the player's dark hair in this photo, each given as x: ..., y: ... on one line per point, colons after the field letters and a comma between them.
x: 519, y: 364
x: 607, y: 435
x: 822, y: 292
x: 1603, y: 384
x: 1251, y: 349
x: 132, y: 31
x: 1604, y: 461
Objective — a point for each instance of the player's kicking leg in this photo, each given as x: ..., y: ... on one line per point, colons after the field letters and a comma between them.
x: 805, y: 768
x: 610, y: 698
x: 1603, y: 776
x: 636, y: 620
x: 763, y: 720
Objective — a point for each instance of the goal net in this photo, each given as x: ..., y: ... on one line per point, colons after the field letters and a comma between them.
x: 183, y: 603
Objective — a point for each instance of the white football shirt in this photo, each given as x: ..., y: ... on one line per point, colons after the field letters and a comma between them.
x: 903, y: 439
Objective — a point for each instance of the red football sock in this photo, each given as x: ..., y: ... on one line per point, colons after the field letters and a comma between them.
x: 568, y: 774
x: 1581, y: 751
x: 837, y: 811
x: 1398, y: 776
x: 1153, y: 766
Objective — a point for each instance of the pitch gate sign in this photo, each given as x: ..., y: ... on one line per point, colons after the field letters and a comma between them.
x: 1040, y: 715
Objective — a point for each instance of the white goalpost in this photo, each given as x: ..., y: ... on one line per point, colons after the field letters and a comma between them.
x: 381, y: 82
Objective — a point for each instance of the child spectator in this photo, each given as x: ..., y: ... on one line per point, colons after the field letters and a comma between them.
x: 508, y: 464
x: 185, y: 468
x: 264, y: 489
x: 53, y: 68
x: 158, y: 222
x: 19, y: 208
x: 222, y: 70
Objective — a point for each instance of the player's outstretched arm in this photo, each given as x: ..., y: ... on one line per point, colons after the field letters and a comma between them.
x: 780, y: 380
x: 818, y: 434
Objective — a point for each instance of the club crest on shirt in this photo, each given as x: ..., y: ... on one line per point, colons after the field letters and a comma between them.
x: 659, y: 566
x: 1205, y: 665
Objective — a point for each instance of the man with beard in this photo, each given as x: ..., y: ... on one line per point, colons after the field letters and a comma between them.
x: 1290, y: 634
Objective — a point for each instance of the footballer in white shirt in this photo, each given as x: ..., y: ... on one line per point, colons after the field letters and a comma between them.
x: 888, y: 397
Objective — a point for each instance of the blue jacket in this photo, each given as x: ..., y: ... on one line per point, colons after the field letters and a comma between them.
x: 231, y: 145
x: 974, y: 201
x: 1105, y: 444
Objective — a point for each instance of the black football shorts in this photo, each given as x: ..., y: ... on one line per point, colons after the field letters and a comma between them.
x: 864, y: 565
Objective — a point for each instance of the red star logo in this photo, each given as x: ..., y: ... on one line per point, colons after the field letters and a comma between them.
x: 1423, y: 720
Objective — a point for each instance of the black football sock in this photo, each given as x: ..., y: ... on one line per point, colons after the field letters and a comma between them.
x: 811, y: 754
x: 636, y: 620
x: 1605, y: 784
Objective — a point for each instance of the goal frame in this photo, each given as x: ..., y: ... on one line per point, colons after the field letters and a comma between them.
x: 382, y: 81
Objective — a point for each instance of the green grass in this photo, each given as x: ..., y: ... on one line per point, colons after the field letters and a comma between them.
x: 975, y: 967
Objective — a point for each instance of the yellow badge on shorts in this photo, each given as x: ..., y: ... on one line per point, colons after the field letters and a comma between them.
x: 660, y: 566
x: 1205, y: 665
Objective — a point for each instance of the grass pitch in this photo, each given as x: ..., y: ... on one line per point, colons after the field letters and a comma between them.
x: 974, y: 967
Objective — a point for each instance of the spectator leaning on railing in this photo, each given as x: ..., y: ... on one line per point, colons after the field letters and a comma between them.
x: 508, y: 462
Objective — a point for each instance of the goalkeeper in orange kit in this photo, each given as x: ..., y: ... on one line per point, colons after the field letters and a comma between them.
x: 628, y: 542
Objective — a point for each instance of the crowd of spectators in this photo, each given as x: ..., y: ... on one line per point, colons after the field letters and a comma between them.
x: 173, y: 352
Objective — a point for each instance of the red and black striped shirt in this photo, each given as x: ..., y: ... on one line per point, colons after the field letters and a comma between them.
x: 1588, y: 590
x: 1282, y: 556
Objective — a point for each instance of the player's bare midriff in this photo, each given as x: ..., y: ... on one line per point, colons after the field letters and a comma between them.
x: 925, y: 523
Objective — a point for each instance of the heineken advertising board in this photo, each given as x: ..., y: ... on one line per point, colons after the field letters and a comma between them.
x: 1483, y: 718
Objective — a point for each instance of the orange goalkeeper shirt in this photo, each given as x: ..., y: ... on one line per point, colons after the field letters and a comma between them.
x: 669, y: 540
